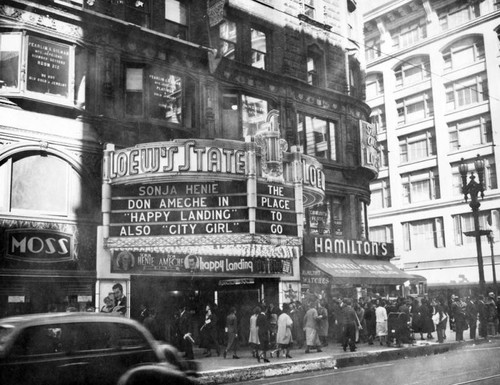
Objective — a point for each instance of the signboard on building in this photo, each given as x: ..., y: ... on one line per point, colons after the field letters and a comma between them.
x: 179, y: 208
x: 151, y: 262
x: 347, y: 247
x: 276, y: 211
x: 38, y: 245
x: 370, y: 154
x: 48, y: 67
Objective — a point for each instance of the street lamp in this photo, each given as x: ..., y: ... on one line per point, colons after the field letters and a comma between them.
x: 491, y: 240
x: 473, y: 189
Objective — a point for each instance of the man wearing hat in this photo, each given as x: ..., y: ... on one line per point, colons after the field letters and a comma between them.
x: 458, y: 315
x: 492, y: 314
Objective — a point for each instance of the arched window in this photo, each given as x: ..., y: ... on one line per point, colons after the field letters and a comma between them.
x: 412, y: 71
x: 462, y: 53
x: 42, y: 184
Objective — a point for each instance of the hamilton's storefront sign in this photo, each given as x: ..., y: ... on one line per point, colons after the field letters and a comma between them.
x: 347, y: 247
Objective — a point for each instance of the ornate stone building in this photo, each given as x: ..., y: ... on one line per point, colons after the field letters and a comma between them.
x: 191, y: 151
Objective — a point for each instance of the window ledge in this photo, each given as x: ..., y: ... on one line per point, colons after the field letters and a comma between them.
x: 313, y: 22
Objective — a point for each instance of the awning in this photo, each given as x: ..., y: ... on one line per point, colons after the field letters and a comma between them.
x: 359, y: 271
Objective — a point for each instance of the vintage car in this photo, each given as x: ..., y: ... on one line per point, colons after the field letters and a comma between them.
x: 84, y: 348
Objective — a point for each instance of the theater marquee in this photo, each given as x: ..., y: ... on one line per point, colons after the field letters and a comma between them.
x: 230, y: 204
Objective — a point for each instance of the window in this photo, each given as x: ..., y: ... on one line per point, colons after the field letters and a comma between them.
x: 315, y: 66
x: 488, y: 220
x: 318, y: 137
x: 470, y: 132
x: 228, y: 39
x: 384, y: 153
x: 412, y: 71
x: 463, y: 53
x: 377, y: 118
x: 327, y: 217
x: 308, y: 8
x: 414, y: 108
x: 424, y: 233
x: 159, y: 94
x: 408, y: 35
x: 381, y: 234
x: 243, y: 114
x: 457, y: 14
x: 259, y: 48
x: 466, y: 91
x: 490, y: 175
x: 374, y: 85
x: 42, y: 68
x: 176, y: 18
x: 372, y: 50
x: 42, y: 184
x: 380, y: 194
x: 137, y: 12
x: 420, y: 186
x: 417, y: 146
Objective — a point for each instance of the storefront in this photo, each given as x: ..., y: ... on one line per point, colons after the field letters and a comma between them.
x: 197, y: 222
x: 351, y: 268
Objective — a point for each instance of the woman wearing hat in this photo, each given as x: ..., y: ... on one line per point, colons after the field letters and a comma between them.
x: 458, y: 313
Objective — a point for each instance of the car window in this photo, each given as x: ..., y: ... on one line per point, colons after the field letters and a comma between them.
x: 85, y: 336
x: 37, y: 340
x: 5, y: 332
x: 128, y: 337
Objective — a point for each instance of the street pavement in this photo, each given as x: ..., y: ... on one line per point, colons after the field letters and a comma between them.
x: 219, y: 370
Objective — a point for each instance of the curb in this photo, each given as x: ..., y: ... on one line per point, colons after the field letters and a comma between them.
x: 254, y: 372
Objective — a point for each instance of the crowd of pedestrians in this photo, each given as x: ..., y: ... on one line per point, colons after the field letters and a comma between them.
x: 315, y: 323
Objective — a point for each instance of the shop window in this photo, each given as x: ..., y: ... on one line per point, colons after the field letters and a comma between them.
x: 49, y: 70
x: 327, y: 217
x: 457, y: 14
x: 380, y: 194
x: 318, y: 137
x: 470, y: 132
x: 381, y: 234
x: 176, y: 18
x: 423, y: 234
x: 243, y: 114
x: 467, y: 91
x: 414, y: 108
x: 412, y: 71
x: 43, y: 184
x: 159, y: 94
x: 420, y: 186
x: 417, y: 146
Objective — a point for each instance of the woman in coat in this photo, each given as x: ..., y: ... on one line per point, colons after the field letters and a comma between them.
x: 208, y: 333
x: 253, y: 339
x: 311, y: 328
x: 284, y: 334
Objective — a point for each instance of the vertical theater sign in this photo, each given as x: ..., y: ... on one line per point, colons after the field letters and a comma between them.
x: 216, y: 208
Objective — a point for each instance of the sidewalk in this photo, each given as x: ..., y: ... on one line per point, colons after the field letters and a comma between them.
x: 217, y: 370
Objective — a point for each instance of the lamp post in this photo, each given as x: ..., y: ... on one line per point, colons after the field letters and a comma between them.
x: 472, y: 190
x: 491, y: 240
